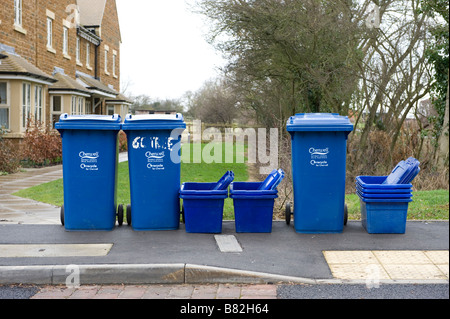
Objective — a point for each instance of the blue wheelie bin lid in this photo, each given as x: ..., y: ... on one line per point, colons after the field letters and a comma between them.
x: 404, y: 172
x: 317, y: 122
x: 225, y: 181
x: 88, y: 122
x: 273, y: 180
x: 154, y: 122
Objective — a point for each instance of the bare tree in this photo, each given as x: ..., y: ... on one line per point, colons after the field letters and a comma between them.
x: 287, y: 56
x: 214, y: 103
x: 394, y: 72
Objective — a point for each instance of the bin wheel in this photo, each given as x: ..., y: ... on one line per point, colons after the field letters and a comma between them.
x: 287, y: 213
x: 129, y: 215
x: 345, y: 214
x: 120, y: 214
x: 183, y: 220
x: 61, y: 215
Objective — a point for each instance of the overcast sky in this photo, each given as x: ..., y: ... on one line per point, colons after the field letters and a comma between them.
x: 164, y: 52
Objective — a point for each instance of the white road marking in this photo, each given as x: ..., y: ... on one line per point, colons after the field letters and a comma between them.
x: 228, y: 244
x: 54, y: 250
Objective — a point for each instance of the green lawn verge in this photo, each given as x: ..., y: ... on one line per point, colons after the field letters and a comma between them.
x: 52, y: 193
x: 426, y: 205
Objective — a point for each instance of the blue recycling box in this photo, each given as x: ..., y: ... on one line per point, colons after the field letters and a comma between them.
x: 253, y: 207
x: 90, y: 156
x: 384, y: 216
x: 154, y: 143
x: 203, y: 207
x: 319, y: 145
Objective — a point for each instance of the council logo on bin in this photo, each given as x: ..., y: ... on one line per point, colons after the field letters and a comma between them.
x: 89, y: 160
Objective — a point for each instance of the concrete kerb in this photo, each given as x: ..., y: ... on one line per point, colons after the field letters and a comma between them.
x: 162, y: 274
x: 139, y: 274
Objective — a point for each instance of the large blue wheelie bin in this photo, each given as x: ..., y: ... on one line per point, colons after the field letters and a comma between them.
x: 90, y: 157
x: 319, y: 148
x: 154, y: 145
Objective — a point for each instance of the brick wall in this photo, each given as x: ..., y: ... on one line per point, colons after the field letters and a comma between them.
x: 47, y: 60
x: 110, y: 34
x: 24, y: 41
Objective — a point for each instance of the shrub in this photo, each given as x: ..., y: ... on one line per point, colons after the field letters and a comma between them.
x: 123, y: 147
x: 9, y: 155
x: 41, y: 146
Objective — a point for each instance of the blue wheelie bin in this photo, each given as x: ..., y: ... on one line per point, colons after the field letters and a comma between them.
x: 154, y: 143
x: 319, y: 146
x: 90, y: 156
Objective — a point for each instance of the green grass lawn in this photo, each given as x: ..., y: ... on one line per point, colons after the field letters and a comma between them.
x: 52, y: 193
x: 426, y: 204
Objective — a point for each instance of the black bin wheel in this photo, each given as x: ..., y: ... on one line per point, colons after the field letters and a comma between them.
x: 61, y: 215
x: 129, y: 214
x: 287, y: 213
x: 183, y: 220
x: 345, y: 214
x: 120, y: 215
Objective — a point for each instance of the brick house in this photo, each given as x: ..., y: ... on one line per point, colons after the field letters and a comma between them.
x: 58, y: 56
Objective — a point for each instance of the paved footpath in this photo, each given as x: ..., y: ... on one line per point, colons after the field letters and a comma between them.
x: 213, y: 291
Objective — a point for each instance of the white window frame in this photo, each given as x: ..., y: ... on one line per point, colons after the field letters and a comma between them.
x: 49, y: 33
x: 26, y: 103
x: 18, y: 12
x: 38, y: 103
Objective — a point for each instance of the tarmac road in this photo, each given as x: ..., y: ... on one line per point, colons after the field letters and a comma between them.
x: 326, y: 291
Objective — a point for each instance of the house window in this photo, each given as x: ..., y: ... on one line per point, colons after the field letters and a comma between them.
x: 114, y: 64
x: 26, y: 104
x: 3, y: 93
x: 4, y: 118
x: 110, y: 109
x: 65, y: 40
x: 74, y: 105
x: 88, y: 107
x: 56, y: 108
x: 18, y: 12
x: 78, y: 50
x: 38, y: 103
x: 4, y: 109
x: 88, y: 54
x: 80, y: 105
x: 56, y: 104
x: 106, y: 61
x: 49, y: 32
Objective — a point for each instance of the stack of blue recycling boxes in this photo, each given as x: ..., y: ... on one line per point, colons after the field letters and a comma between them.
x: 385, y: 199
x: 253, y: 204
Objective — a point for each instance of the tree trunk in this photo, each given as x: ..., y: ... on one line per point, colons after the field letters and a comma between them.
x: 442, y: 154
